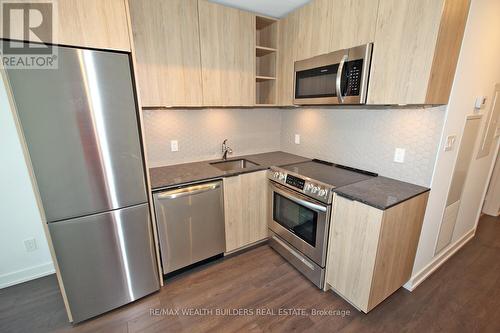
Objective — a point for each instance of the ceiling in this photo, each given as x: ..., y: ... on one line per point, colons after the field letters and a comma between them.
x: 274, y: 8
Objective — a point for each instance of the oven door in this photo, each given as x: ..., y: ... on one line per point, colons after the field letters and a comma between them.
x: 301, y: 221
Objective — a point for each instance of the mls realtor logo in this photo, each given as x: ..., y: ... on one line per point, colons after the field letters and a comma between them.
x: 33, y: 20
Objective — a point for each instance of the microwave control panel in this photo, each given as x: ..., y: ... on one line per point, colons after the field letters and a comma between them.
x: 353, y: 72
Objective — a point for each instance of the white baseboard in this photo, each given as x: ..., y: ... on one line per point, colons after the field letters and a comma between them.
x: 438, y: 260
x: 26, y: 274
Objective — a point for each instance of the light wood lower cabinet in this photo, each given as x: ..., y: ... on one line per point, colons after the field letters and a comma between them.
x: 245, y: 209
x: 371, y: 252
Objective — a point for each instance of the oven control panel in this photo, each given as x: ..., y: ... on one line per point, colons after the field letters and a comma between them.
x: 295, y: 182
x: 312, y: 189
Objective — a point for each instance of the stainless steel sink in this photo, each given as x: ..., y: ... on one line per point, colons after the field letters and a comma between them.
x: 233, y: 164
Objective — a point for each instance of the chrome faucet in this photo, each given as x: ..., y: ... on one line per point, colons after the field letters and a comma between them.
x: 225, y: 150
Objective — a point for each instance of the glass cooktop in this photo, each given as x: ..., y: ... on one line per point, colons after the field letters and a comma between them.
x: 329, y: 173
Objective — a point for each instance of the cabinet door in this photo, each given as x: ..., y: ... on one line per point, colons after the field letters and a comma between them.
x: 233, y: 213
x: 404, y: 45
x: 167, y: 48
x: 353, y: 22
x: 287, y: 45
x: 370, y: 251
x: 245, y: 209
x: 227, y: 38
x: 352, y: 249
x: 255, y: 205
x: 91, y: 23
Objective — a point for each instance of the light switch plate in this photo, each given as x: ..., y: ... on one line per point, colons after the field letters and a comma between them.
x: 174, y: 145
x: 297, y: 139
x: 399, y: 155
x: 480, y: 102
x: 450, y: 142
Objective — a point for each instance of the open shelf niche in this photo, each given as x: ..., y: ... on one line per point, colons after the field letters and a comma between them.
x: 266, y: 48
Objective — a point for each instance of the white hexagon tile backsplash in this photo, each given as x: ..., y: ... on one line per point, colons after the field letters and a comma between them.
x: 367, y: 138
x: 200, y: 133
x: 361, y: 138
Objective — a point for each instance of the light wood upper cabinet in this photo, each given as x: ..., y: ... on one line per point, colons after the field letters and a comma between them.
x: 449, y: 42
x: 245, y: 209
x: 167, y: 49
x: 227, y: 38
x: 416, y: 50
x: 321, y: 26
x: 92, y: 23
x: 287, y: 42
x: 416, y: 44
x: 329, y: 25
x: 371, y: 252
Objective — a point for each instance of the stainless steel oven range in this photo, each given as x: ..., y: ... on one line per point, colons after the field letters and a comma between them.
x: 301, y: 203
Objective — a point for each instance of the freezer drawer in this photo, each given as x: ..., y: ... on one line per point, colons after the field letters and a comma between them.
x: 106, y: 260
x: 190, y: 224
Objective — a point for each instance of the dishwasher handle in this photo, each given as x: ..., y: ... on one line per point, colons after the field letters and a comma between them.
x: 185, y: 191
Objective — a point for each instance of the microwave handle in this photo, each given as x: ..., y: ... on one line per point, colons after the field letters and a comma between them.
x: 339, y: 79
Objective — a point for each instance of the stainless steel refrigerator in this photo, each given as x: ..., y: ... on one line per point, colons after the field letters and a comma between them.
x: 81, y: 128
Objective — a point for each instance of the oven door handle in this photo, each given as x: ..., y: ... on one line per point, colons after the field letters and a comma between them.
x: 339, y: 79
x: 300, y: 201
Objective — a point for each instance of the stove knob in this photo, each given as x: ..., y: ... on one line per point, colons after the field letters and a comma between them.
x: 282, y: 176
x: 315, y: 189
x: 322, y: 193
x: 308, y: 187
x: 276, y: 175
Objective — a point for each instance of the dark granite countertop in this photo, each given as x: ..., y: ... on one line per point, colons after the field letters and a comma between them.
x: 380, y: 192
x: 179, y: 174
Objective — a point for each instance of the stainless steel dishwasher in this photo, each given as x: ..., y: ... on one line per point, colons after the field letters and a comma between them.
x: 190, y: 224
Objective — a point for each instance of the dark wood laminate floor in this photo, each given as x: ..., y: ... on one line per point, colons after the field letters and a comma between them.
x: 462, y: 296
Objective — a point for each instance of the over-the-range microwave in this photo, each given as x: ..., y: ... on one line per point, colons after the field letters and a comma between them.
x: 340, y: 77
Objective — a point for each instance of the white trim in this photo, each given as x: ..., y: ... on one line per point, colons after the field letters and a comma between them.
x: 26, y: 274
x: 490, y: 174
x: 440, y: 259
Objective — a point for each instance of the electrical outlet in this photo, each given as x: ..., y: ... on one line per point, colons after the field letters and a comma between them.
x: 297, y: 139
x: 399, y: 155
x: 450, y: 142
x: 174, y: 145
x: 30, y: 245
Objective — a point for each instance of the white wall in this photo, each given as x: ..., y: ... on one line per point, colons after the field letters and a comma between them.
x: 477, y: 73
x: 19, y: 217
